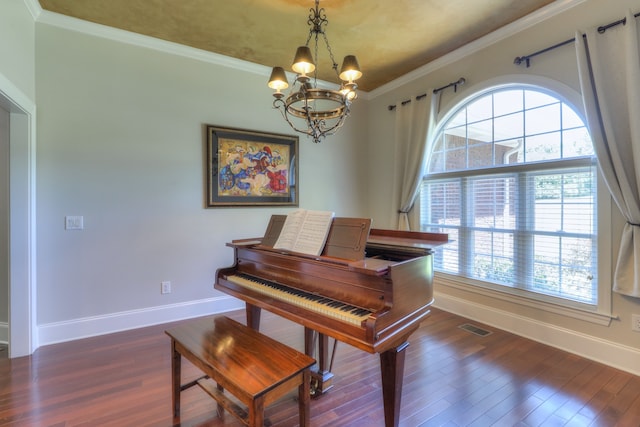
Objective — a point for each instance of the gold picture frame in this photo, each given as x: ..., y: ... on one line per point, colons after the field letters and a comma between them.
x: 251, y: 168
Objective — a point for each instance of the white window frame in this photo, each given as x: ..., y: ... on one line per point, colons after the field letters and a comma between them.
x: 599, y: 314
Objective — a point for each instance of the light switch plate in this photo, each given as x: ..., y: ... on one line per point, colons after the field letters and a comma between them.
x: 73, y: 222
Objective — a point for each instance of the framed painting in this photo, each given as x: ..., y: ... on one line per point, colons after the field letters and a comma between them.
x: 251, y: 168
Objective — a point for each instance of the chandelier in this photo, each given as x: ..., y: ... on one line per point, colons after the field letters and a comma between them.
x: 310, y: 110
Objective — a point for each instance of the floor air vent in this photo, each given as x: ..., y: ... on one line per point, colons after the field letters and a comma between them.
x: 475, y: 330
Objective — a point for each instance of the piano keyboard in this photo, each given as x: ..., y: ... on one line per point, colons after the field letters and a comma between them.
x: 318, y: 303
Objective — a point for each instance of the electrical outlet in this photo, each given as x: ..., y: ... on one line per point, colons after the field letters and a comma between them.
x: 165, y: 287
x: 635, y: 322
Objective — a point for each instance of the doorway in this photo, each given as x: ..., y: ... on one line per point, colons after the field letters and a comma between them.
x: 19, y: 244
x: 4, y: 233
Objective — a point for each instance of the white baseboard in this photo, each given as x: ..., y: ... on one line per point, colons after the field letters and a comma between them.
x: 4, y: 333
x: 69, y: 330
x: 607, y: 352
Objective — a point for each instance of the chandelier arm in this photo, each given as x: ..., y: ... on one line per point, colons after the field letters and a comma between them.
x: 317, y: 129
x: 315, y: 112
x: 283, y: 111
x: 327, y: 131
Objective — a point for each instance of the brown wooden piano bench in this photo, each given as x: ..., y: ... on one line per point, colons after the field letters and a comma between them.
x: 254, y: 368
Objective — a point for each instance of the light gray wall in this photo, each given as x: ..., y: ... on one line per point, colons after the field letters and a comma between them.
x: 121, y: 142
x: 479, y: 66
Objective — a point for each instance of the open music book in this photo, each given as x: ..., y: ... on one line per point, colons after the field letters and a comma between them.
x: 347, y: 237
x: 305, y: 231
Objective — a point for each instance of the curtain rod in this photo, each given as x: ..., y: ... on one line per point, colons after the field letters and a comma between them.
x: 455, y: 85
x: 418, y: 97
x: 601, y: 29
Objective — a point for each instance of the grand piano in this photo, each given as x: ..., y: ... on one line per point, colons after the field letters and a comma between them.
x: 369, y: 288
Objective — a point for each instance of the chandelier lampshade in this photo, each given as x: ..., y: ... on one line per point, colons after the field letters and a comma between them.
x: 278, y: 81
x: 316, y: 112
x: 303, y: 61
x: 350, y: 69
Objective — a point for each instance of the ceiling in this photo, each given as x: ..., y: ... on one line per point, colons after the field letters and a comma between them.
x: 390, y: 38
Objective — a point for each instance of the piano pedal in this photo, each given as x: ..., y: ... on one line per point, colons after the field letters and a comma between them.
x: 321, y: 382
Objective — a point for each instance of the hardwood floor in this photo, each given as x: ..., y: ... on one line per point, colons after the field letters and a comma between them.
x: 452, y: 378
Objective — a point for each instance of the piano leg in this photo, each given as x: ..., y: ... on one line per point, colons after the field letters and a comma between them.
x: 321, y: 378
x: 392, y: 368
x: 253, y: 316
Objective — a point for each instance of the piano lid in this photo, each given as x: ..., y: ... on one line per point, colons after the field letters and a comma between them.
x: 406, y: 239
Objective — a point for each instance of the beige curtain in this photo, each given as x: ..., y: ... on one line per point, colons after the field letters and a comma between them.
x: 609, y: 66
x: 415, y: 122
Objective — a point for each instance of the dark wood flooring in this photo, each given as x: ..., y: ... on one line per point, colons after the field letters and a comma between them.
x: 452, y: 378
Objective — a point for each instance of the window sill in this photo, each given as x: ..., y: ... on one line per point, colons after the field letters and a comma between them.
x: 515, y: 296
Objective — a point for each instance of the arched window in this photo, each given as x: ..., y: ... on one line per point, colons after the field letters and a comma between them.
x: 512, y: 179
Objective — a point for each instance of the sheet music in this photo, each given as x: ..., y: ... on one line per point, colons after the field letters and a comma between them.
x: 305, y: 231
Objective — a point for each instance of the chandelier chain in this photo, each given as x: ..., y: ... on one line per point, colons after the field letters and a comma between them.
x: 334, y: 64
x: 317, y: 22
x: 315, y: 72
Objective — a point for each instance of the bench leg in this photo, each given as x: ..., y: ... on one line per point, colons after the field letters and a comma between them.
x: 256, y: 413
x: 304, y: 394
x: 219, y: 407
x: 176, y: 360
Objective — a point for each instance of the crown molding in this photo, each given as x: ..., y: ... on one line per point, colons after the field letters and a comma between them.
x: 507, y: 31
x: 135, y: 39
x: 34, y: 8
